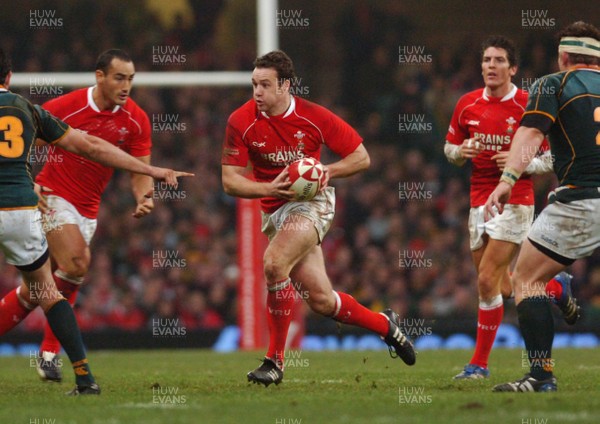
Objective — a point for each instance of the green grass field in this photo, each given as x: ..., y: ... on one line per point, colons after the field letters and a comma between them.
x: 200, y: 386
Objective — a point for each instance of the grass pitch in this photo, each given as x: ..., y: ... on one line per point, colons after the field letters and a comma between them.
x: 200, y: 386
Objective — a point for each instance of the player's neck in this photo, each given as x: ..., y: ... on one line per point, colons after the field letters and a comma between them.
x: 499, y: 91
x: 281, y: 108
x: 100, y: 101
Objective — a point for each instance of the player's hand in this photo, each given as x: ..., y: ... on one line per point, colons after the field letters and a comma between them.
x: 169, y: 176
x: 500, y: 159
x: 497, y: 200
x: 280, y: 185
x: 41, y: 194
x: 324, y: 178
x: 471, y: 147
x: 144, y: 206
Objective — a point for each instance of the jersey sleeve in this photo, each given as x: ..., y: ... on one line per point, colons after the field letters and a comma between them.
x: 457, y: 133
x: 235, y: 152
x: 542, y: 106
x: 340, y: 137
x: 141, y: 141
x: 50, y: 128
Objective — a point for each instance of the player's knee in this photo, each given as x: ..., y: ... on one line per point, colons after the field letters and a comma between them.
x: 274, y: 268
x: 486, y: 284
x: 322, y: 303
x: 76, y: 267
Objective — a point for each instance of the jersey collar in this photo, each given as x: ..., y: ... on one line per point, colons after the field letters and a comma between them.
x: 288, y: 112
x: 3, y: 89
x: 509, y: 96
x: 93, y: 104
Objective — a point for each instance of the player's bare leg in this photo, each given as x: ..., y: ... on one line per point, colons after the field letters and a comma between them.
x: 532, y: 270
x: 294, y: 252
x: 70, y: 258
x: 492, y: 261
x: 293, y: 240
x: 315, y: 286
x: 42, y: 290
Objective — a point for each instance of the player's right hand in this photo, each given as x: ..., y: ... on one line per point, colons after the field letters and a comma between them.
x: 169, y: 176
x: 280, y: 185
x: 41, y: 194
x: 471, y: 147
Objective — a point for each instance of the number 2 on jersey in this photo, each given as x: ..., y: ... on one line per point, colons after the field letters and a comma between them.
x: 13, y: 144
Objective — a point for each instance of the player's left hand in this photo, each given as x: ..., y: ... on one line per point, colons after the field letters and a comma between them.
x: 325, y: 178
x: 144, y: 206
x: 497, y: 200
x: 500, y: 159
x: 41, y: 193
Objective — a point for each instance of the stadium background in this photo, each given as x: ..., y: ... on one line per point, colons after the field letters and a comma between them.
x: 400, y: 235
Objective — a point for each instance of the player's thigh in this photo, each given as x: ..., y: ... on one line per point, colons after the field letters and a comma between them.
x: 532, y: 270
x: 311, y: 280
x: 309, y: 273
x: 497, y: 256
x: 293, y: 240
x: 21, y: 237
x: 67, y: 245
x: 477, y: 254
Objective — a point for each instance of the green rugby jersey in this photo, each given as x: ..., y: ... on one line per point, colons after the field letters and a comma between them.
x: 21, y: 123
x: 566, y: 107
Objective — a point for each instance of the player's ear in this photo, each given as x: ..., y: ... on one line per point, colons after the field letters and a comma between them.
x: 99, y: 75
x: 513, y: 70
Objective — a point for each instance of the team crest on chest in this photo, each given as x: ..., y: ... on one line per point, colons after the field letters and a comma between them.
x: 511, y: 125
x: 122, y: 134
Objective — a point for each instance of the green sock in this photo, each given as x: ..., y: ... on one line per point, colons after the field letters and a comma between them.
x: 537, y: 328
x: 62, y: 322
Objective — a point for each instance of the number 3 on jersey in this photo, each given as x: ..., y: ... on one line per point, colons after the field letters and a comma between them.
x: 13, y: 144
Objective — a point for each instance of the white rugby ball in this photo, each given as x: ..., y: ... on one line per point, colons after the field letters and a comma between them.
x: 306, y: 175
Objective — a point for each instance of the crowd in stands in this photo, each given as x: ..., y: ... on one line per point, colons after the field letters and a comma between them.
x: 400, y: 235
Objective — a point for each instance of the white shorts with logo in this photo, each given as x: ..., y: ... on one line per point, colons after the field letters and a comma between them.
x: 511, y: 225
x: 21, y: 237
x: 571, y: 229
x: 319, y: 211
x: 63, y: 212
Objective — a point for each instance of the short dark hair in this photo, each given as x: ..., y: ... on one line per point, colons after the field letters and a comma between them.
x: 502, y: 42
x: 5, y: 66
x: 279, y: 61
x: 581, y: 29
x: 105, y: 58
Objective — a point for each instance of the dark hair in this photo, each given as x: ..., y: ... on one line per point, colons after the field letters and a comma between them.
x: 105, y: 58
x: 501, y: 42
x: 581, y: 29
x: 5, y: 66
x: 279, y: 61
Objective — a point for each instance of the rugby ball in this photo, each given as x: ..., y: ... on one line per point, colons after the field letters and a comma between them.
x: 306, y: 175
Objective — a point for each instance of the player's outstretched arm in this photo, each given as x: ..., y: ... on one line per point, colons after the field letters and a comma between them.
x: 101, y: 151
x: 355, y: 162
x: 236, y: 183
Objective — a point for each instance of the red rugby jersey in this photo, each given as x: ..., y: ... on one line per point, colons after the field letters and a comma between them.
x: 496, y: 120
x: 271, y: 143
x: 76, y: 179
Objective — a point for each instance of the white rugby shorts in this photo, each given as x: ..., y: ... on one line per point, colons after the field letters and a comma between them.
x: 320, y: 211
x: 21, y: 237
x: 63, y: 212
x: 571, y: 230
x: 512, y: 225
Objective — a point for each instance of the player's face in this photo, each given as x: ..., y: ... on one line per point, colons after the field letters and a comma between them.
x: 270, y: 97
x: 115, y: 85
x: 496, y: 69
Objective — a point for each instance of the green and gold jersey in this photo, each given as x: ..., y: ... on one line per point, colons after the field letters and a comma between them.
x: 21, y: 123
x: 566, y: 107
